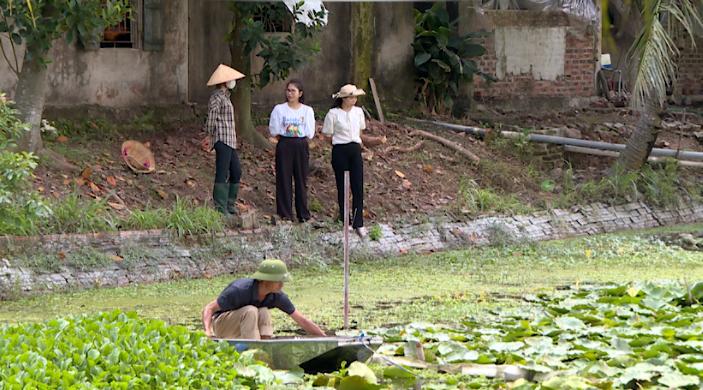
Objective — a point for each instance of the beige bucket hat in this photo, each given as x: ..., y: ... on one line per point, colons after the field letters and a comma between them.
x: 223, y: 74
x: 347, y: 91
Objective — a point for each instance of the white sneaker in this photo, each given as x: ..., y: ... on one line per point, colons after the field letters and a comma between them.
x: 361, y: 231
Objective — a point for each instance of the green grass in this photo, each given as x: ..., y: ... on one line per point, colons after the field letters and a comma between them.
x: 75, y: 213
x: 473, y: 199
x: 441, y: 288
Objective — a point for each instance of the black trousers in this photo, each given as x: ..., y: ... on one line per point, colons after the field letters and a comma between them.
x: 227, y: 164
x: 347, y: 157
x: 292, y: 156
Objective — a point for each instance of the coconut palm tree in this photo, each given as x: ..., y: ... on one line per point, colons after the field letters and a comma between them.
x: 654, y: 54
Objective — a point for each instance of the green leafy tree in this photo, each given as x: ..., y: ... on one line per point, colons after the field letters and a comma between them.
x: 281, y: 54
x: 19, y: 204
x: 443, y: 59
x: 36, y: 24
x: 655, y: 56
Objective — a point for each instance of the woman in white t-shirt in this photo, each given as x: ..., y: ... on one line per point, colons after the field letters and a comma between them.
x: 344, y: 123
x: 292, y: 123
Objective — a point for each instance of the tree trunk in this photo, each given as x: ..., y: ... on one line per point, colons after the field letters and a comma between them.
x: 362, y: 20
x: 641, y: 143
x: 31, y: 88
x: 241, y: 98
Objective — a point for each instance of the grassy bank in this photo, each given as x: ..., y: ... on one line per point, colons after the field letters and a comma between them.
x: 440, y: 288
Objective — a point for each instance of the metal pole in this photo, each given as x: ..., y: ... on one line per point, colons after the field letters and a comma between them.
x: 345, y: 218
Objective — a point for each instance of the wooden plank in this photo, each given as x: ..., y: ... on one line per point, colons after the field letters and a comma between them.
x: 376, y: 100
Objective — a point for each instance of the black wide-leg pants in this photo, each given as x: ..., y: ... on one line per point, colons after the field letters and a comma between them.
x: 292, y: 155
x: 347, y: 157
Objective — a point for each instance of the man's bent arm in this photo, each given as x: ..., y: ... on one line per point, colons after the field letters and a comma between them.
x: 306, y: 324
x: 208, y: 311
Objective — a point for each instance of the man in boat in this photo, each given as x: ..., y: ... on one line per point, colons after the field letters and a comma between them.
x: 242, y: 309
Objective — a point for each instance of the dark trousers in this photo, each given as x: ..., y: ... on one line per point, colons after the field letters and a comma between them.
x: 227, y: 164
x: 347, y: 157
x: 292, y: 156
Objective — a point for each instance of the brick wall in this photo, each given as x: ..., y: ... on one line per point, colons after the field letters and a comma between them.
x: 690, y: 76
x: 577, y: 79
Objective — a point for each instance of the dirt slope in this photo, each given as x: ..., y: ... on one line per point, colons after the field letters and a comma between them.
x: 407, y: 184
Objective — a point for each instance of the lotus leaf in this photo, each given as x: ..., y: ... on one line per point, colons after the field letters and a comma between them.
x: 697, y: 291
x: 642, y: 372
x: 362, y: 370
x: 570, y: 323
x: 356, y: 383
x: 397, y: 372
x: 678, y: 380
x: 503, y: 347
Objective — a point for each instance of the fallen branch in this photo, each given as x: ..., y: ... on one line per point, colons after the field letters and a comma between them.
x: 371, y: 141
x: 403, y: 150
x: 447, y: 143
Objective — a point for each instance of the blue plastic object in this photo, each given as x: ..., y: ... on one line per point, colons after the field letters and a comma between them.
x: 241, y: 347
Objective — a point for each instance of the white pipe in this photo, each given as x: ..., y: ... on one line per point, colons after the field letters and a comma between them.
x: 610, y: 153
x: 568, y: 141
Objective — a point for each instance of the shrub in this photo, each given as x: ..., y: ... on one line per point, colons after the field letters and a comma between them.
x: 442, y: 59
x: 19, y: 205
x: 121, y: 351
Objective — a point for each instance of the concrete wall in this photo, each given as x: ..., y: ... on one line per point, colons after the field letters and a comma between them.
x: 208, y: 22
x: 330, y: 68
x: 121, y: 78
x: 118, y: 77
x: 531, y: 54
x: 391, y: 56
x: 535, y: 55
x: 393, y: 70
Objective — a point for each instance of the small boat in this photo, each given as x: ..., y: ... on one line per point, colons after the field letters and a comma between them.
x: 312, y: 354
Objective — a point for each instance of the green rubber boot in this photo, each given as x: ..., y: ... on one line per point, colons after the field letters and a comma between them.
x: 232, y: 197
x: 219, y: 195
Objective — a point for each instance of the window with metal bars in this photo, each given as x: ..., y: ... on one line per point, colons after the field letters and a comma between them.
x: 124, y: 33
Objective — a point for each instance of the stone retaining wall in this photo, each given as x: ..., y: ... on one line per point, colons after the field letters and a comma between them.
x: 155, y: 256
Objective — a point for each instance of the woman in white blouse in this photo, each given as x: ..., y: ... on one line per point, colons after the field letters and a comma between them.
x: 292, y: 122
x: 344, y: 123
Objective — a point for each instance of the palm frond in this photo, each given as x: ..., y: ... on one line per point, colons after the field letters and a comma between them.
x: 654, y: 53
x: 654, y: 49
x: 688, y: 15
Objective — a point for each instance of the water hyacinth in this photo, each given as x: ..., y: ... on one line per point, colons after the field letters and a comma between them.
x: 121, y: 351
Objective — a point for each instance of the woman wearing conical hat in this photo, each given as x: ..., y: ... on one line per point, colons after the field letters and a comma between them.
x: 223, y: 138
x: 343, y: 124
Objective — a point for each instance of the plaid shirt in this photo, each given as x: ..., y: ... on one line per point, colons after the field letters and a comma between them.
x: 220, y: 119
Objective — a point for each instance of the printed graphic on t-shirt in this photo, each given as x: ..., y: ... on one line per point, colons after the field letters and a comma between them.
x: 294, y: 126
